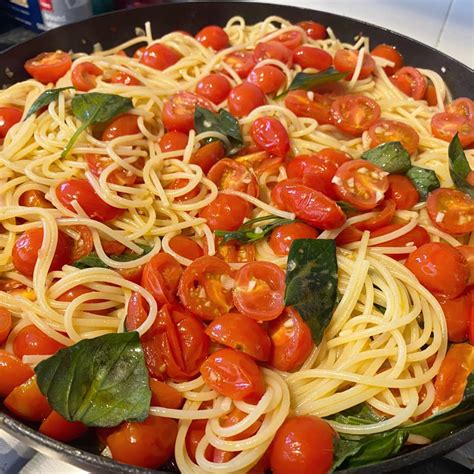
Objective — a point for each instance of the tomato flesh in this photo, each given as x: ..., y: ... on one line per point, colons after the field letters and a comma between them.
x: 394, y: 131
x: 354, y: 114
x: 410, y: 81
x: 58, y: 428
x: 83, y: 76
x: 345, y: 60
x: 13, y: 372
x: 391, y: 54
x: 310, y: 104
x: 447, y: 124
x: 48, y: 67
x: 230, y: 174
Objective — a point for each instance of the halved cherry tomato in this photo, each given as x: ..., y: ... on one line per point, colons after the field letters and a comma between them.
x: 335, y: 156
x: 163, y: 395
x: 345, y: 60
x: 58, y: 428
x: 160, y: 57
x: 137, y: 312
x: 471, y: 322
x: 259, y: 290
x: 125, y: 124
x: 314, y: 30
x: 309, y: 104
x: 173, y: 141
x: 290, y: 39
x: 208, y: 155
x: 291, y: 339
x: 34, y: 198
x: 303, y: 445
x: 230, y: 174
x: 244, y: 98
x: 242, y: 62
x: 440, y: 268
x: 121, y: 77
x: 196, y: 431
x: 270, y: 135
x: 80, y: 190
x: 268, y: 77
x: 97, y: 164
x: 83, y: 76
x: 394, y: 131
x: 186, y: 247
x: 148, y: 443
x: 451, y: 210
x: 273, y: 50
x: 462, y: 106
x: 48, y: 67
x: 309, y: 57
x: 430, y: 95
x: 410, y: 81
x: 205, y: 287
x: 468, y: 252
x: 132, y: 274
x: 452, y: 377
x: 213, y: 37
x: 9, y: 116
x: 283, y: 236
x: 32, y: 341
x: 348, y: 235
x: 27, y: 402
x: 234, y: 374
x: 402, y: 190
x: 84, y: 245
x: 235, y: 252
x: 354, y: 113
x: 242, y: 334
x: 214, y: 87
x: 391, y: 54
x: 457, y: 312
x: 384, y: 217
x: 27, y: 246
x: 361, y: 183
x: 446, y: 124
x: 178, y: 111
x: 161, y: 277
x: 112, y: 247
x: 181, y: 183
x: 226, y: 212
x: 5, y: 324
x: 13, y: 372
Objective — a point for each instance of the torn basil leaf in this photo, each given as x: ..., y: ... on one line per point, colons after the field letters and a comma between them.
x: 392, y: 157
x: 425, y: 180
x: 45, y: 99
x: 307, y: 81
x: 459, y: 167
x: 92, y: 260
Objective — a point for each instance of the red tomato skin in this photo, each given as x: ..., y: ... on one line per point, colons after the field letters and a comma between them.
x: 344, y: 105
x: 5, y: 324
x: 244, y: 98
x: 124, y: 78
x: 173, y: 141
x: 468, y: 252
x: 309, y: 57
x: 160, y: 57
x: 230, y: 174
x: 186, y: 247
x: 125, y: 124
x: 213, y: 37
x: 457, y: 312
x: 9, y: 116
x: 83, y: 76
x: 58, y: 428
x: 410, y: 81
x: 13, y: 372
x: 268, y: 77
x: 283, y: 236
x: 226, y: 212
x: 32, y: 341
x: 214, y: 87
x: 392, y: 54
x: 446, y: 124
x: 242, y: 62
x: 270, y: 136
x: 208, y: 155
x: 393, y: 130
x: 290, y: 39
x: 402, y: 191
x: 384, y: 216
x: 273, y: 50
x: 41, y: 69
x: 314, y: 30
x: 317, y: 107
x: 345, y: 60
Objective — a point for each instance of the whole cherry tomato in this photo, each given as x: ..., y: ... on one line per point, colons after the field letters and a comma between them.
x: 32, y: 341
x: 314, y: 30
x: 273, y: 50
x: 48, y: 67
x: 402, y: 191
x: 34, y: 198
x: 268, y: 77
x: 214, y: 87
x: 5, y: 324
x: 213, y: 37
x: 244, y: 98
x: 125, y: 78
x: 9, y: 116
x: 226, y: 212
x: 159, y: 56
x: 173, y: 141
x: 125, y: 124
x: 186, y: 247
x: 242, y: 62
x: 209, y: 154
x: 346, y: 60
x: 457, y: 312
x: 384, y: 216
x: 468, y: 252
x: 291, y: 39
x: 270, y: 135
x: 164, y: 395
x: 283, y: 236
x: 309, y: 57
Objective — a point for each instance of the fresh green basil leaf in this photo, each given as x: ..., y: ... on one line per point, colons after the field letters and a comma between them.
x: 311, y: 282
x: 346, y: 207
x: 307, y: 81
x: 99, y: 382
x: 392, y: 157
x: 344, y: 449
x: 92, y: 260
x: 361, y: 414
x: 459, y: 167
x: 222, y: 121
x: 425, y: 180
x: 44, y: 99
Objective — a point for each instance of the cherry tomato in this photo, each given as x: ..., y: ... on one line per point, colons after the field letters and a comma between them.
x: 213, y: 37
x: 230, y: 174
x: 27, y: 246
x: 244, y: 98
x: 34, y: 198
x: 83, y: 76
x: 468, y: 252
x: 335, y: 156
x: 471, y: 322
x: 163, y: 395
x: 80, y: 290
x: 58, y: 428
x: 139, y: 53
x: 283, y: 236
x: 303, y: 445
x: 5, y: 324
x: 273, y: 50
x: 27, y: 402
x: 9, y: 116
x: 121, y: 77
x: 181, y: 183
x: 402, y: 191
x: 226, y: 212
x: 345, y: 60
x: 98, y: 163
x: 383, y: 217
x: 309, y: 104
x: 269, y: 78
x: 259, y: 290
x: 445, y: 125
x: 48, y: 67
x: 81, y: 191
x: 314, y: 30
x: 173, y: 141
x: 394, y: 131
x: 112, y: 247
x: 354, y: 113
x: 430, y: 95
x: 161, y: 277
x: 348, y: 235
x: 242, y: 62
x: 178, y: 111
x: 451, y: 210
x: 361, y: 183
x: 32, y: 341
x: 270, y: 135
x: 205, y: 287
x: 234, y: 374
x: 160, y: 57
x: 208, y: 155
x: 457, y: 312
x: 120, y: 126
x: 242, y: 334
x: 234, y: 252
x: 186, y: 247
x: 196, y: 431
x: 410, y: 81
x: 234, y: 417
x: 309, y: 57
x: 13, y: 372
x: 132, y: 274
x: 214, y: 87
x: 462, y: 106
x: 290, y: 39
x: 149, y: 443
x: 440, y: 268
x: 391, y: 54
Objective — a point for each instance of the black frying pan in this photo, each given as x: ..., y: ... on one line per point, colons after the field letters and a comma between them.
x: 114, y: 28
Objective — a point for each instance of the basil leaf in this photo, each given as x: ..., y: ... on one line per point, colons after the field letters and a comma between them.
x: 44, y: 99
x: 307, y: 81
x: 99, y: 382
x: 392, y: 157
x: 92, y: 260
x: 311, y: 282
x: 93, y: 108
x: 361, y: 414
x: 459, y: 166
x: 222, y: 121
x: 425, y: 180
